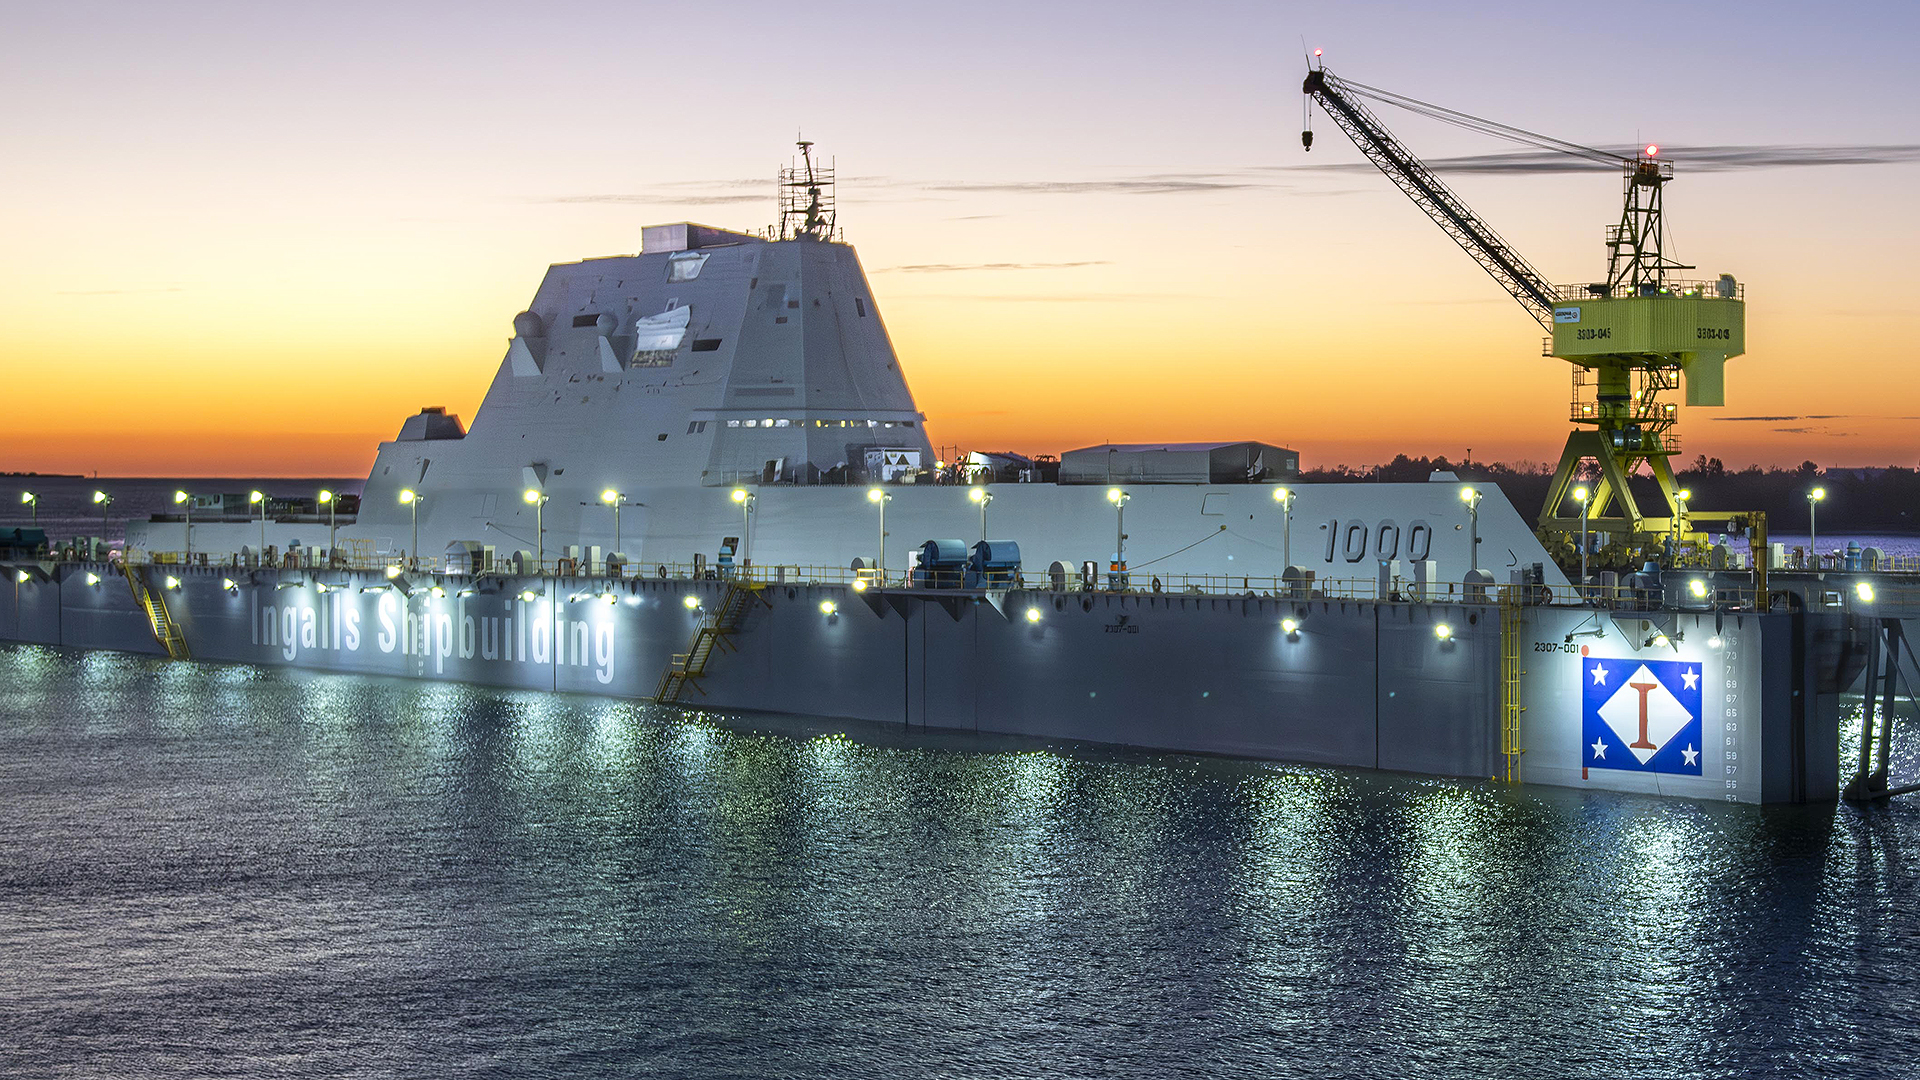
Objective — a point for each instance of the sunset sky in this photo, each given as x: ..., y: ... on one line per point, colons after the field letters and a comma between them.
x: 250, y: 238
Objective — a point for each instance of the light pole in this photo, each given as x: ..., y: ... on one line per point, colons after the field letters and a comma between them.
x: 332, y: 503
x: 1813, y: 501
x: 259, y: 498
x: 1472, y: 498
x: 614, y: 499
x: 983, y: 497
x: 1585, y: 498
x: 103, y: 500
x: 33, y: 504
x: 745, y: 498
x: 1285, y: 498
x: 412, y: 499
x: 1679, y: 518
x: 185, y: 502
x: 539, y: 502
x: 1116, y: 577
x: 881, y: 499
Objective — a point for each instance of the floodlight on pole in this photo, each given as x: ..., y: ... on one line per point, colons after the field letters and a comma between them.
x: 103, y: 500
x: 1814, y: 498
x: 881, y: 499
x: 185, y: 502
x: 1285, y: 497
x: 412, y: 500
x: 981, y: 496
x: 332, y: 503
x: 614, y: 499
x: 1116, y: 576
x: 538, y: 500
x: 746, y: 499
x: 32, y: 502
x: 1471, y: 496
x: 1585, y: 498
x: 259, y: 498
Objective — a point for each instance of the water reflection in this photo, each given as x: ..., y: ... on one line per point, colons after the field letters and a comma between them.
x: 260, y: 866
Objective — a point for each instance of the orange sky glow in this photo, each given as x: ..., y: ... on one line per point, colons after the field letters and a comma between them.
x: 259, y: 246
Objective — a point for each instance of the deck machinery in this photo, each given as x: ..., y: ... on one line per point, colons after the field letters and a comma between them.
x: 1630, y: 338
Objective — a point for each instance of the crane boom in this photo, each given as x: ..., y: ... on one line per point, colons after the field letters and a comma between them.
x: 1412, y: 176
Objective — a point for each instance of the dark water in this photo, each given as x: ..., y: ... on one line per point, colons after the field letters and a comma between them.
x: 234, y: 871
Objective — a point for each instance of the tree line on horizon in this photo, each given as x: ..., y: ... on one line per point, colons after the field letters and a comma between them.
x: 1884, y: 499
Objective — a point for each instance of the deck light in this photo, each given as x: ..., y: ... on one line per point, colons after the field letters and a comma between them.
x: 528, y: 595
x: 1715, y: 642
x: 393, y: 572
x: 373, y: 588
x: 828, y: 607
x: 1290, y: 626
x: 692, y: 603
x: 20, y: 576
x: 469, y: 591
x: 609, y: 598
x: 881, y: 499
x: 172, y: 582
x: 1864, y: 590
x: 227, y: 584
x: 1443, y: 631
x: 93, y: 578
x: 745, y: 499
x: 322, y: 588
x: 1698, y: 588
x: 259, y: 498
x: 1585, y: 498
x: 1813, y: 532
x: 1658, y: 640
x: 1033, y: 614
x: 859, y: 584
x: 438, y: 592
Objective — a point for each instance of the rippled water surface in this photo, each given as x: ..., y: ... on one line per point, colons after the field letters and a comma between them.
x: 210, y: 870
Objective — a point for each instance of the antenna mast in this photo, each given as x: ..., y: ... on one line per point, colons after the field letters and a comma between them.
x: 806, y: 198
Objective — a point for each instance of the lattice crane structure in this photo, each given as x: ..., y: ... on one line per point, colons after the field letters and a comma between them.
x: 1630, y: 338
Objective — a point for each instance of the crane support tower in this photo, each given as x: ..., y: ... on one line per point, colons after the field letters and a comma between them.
x: 1630, y: 338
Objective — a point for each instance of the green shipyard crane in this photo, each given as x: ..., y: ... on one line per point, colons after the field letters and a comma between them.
x: 1630, y: 337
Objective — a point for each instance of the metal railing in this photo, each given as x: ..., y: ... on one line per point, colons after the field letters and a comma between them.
x: 1691, y: 290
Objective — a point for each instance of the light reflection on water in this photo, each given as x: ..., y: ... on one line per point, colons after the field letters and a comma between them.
x: 208, y: 869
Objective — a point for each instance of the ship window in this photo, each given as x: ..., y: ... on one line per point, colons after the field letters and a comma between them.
x: 733, y: 423
x: 585, y: 320
x: 706, y: 344
x: 781, y: 319
x: 906, y: 423
x: 768, y: 422
x: 685, y: 265
x: 662, y: 437
x: 753, y: 423
x: 783, y: 422
x: 860, y: 306
x: 793, y: 303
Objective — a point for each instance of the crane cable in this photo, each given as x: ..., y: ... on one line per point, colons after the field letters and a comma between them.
x: 1483, y: 125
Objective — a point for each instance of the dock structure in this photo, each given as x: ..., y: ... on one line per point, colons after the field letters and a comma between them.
x: 1691, y: 686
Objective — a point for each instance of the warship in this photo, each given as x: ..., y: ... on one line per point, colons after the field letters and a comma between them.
x: 699, y: 476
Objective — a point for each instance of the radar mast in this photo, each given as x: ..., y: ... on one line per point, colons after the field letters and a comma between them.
x: 806, y: 198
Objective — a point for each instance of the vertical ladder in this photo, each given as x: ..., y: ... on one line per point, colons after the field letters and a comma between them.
x: 165, y: 630
x: 686, y: 668
x: 1510, y: 672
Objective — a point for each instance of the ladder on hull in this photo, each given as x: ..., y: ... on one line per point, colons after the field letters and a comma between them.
x: 686, y: 668
x: 1510, y: 672
x: 165, y: 630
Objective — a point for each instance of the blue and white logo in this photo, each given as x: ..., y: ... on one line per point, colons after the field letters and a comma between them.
x: 1641, y: 715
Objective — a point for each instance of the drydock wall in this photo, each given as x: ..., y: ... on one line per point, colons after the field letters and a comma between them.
x: 1357, y: 684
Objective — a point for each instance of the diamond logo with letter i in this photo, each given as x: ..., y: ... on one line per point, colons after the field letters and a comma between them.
x: 1641, y: 715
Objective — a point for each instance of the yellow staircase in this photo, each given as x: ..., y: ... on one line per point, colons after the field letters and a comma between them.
x: 1510, y: 672
x: 165, y: 630
x: 687, y: 667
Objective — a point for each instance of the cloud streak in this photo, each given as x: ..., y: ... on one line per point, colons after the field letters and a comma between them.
x: 948, y: 268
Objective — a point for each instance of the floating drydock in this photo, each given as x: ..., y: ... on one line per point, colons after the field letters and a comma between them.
x: 699, y: 476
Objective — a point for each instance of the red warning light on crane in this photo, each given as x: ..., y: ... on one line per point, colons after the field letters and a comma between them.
x: 1316, y: 52
x: 1653, y: 150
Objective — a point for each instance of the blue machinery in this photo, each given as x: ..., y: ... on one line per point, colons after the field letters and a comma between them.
x: 949, y: 564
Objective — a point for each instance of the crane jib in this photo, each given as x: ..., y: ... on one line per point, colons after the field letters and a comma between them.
x: 1410, y: 174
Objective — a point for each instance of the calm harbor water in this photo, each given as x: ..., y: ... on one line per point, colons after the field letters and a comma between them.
x: 215, y: 870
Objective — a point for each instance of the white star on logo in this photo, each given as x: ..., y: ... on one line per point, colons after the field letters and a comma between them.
x: 1599, y: 675
x: 1599, y: 749
x: 1689, y: 755
x: 1690, y: 677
